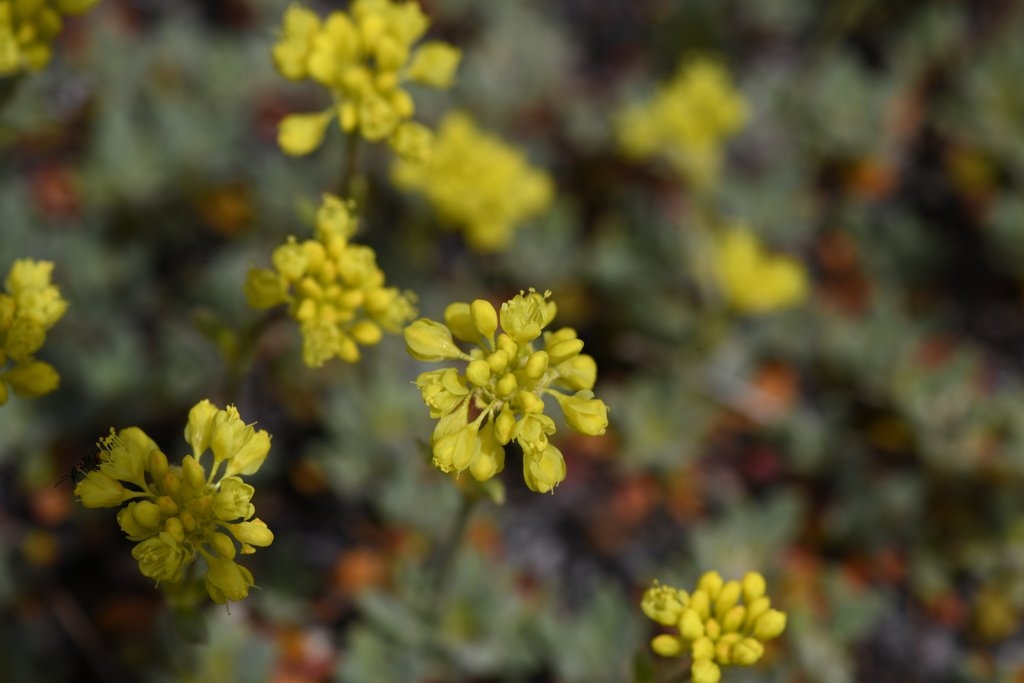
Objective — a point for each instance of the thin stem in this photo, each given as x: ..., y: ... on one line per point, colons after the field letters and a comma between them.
x: 445, y: 558
x: 350, y: 166
x: 240, y: 358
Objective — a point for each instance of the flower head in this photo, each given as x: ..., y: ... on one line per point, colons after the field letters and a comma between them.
x: 364, y: 58
x: 477, y: 183
x: 688, y: 121
x: 30, y: 306
x: 176, y: 513
x: 498, y: 396
x: 28, y: 28
x: 333, y: 288
x: 721, y: 623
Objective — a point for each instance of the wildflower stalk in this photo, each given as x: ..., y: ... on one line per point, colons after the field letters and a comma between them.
x: 240, y: 353
x: 352, y: 181
x: 444, y: 558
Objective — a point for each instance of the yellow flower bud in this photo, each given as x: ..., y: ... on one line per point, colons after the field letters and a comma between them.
x: 564, y: 350
x: 769, y: 625
x: 253, y: 532
x: 478, y: 372
x: 458, y: 317
x: 491, y: 458
x: 728, y: 597
x: 536, y: 365
x: 666, y: 645
x: 223, y: 545
x: 158, y: 466
x: 499, y: 361
x: 457, y: 449
x: 529, y: 403
x: 147, y: 514
x: 300, y: 134
x: 732, y: 620
x: 31, y: 379
x: 226, y: 580
x: 691, y: 626
x: 703, y: 648
x: 753, y: 586
x: 584, y: 413
x: 199, y: 429
x: 506, y: 385
x: 700, y: 604
x: 543, y: 469
x: 713, y: 629
x: 485, y: 318
x: 504, y: 426
x: 711, y: 583
x: 428, y: 340
x: 366, y: 333
x: 746, y: 652
x: 705, y: 671
x: 755, y: 608
x: 195, y: 477
x: 579, y: 373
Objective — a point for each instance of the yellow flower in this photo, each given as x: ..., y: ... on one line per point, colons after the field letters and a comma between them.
x: 333, y: 288
x: 28, y: 27
x: 711, y: 625
x: 179, y: 513
x: 363, y: 57
x: 28, y: 309
x: 503, y: 383
x: 476, y: 183
x: 753, y: 281
x: 687, y: 121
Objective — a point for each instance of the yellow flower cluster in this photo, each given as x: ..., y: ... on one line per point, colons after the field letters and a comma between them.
x: 499, y: 396
x: 29, y: 308
x: 180, y: 511
x: 363, y: 57
x: 712, y: 626
x: 477, y: 182
x: 688, y: 121
x: 333, y: 288
x: 753, y: 281
x: 27, y: 27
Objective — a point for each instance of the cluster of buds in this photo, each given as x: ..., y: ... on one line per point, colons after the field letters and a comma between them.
x: 711, y: 625
x: 688, y: 121
x: 27, y: 27
x: 334, y: 289
x: 499, y: 396
x: 179, y: 512
x: 28, y: 309
x: 363, y: 57
x: 477, y: 183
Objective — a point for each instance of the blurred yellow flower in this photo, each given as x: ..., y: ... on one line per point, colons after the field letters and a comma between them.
x: 722, y: 623
x: 333, y: 288
x: 687, y: 121
x: 27, y: 27
x: 364, y: 57
x: 477, y: 183
x: 753, y: 281
x: 499, y: 396
x: 28, y: 309
x: 176, y: 513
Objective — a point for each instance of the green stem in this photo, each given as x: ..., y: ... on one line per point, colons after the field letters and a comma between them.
x: 240, y: 357
x: 349, y: 172
x: 445, y: 558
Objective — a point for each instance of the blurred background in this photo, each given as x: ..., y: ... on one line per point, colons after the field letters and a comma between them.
x: 863, y: 449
